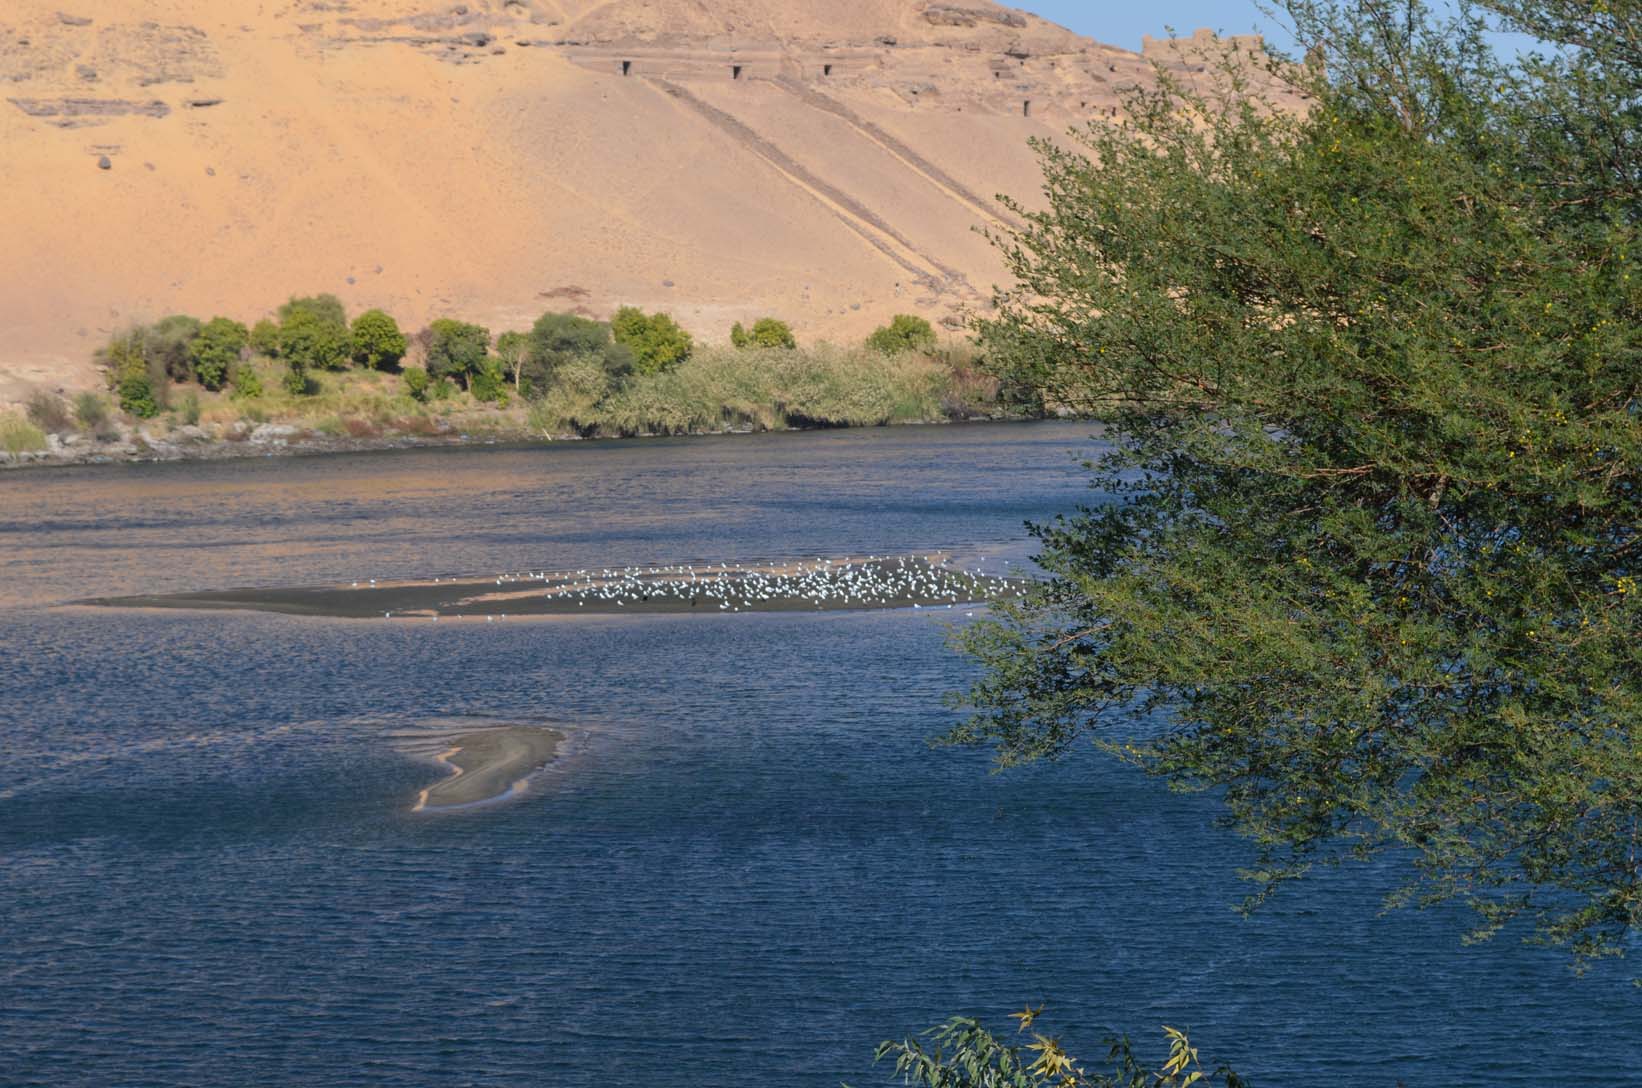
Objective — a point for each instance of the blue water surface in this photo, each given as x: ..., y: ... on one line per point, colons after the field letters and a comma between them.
x: 749, y: 866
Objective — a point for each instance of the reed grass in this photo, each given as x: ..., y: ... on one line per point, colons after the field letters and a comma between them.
x: 18, y: 435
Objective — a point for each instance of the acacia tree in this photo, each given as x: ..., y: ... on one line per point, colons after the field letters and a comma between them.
x: 1371, y: 381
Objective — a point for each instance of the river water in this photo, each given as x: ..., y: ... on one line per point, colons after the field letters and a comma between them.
x: 748, y: 868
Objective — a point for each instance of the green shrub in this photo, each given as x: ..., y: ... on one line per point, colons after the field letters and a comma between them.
x: 416, y: 382
x: 91, y: 410
x: 265, y: 338
x: 170, y: 343
x: 570, y: 334
x: 767, y: 332
x: 558, y: 339
x: 766, y: 388
x: 137, y: 396
x: 325, y: 307
x: 18, y: 435
x: 441, y: 389
x: 247, y: 383
x: 137, y: 379
x: 489, y: 383
x: 313, y: 339
x: 905, y: 332
x: 655, y: 340
x: 571, y: 403
x: 215, y: 350
x: 296, y: 380
x: 189, y: 410
x: 377, y: 341
x: 49, y: 412
x: 456, y: 349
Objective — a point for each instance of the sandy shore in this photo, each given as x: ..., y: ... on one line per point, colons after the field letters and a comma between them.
x: 489, y: 765
x: 821, y: 585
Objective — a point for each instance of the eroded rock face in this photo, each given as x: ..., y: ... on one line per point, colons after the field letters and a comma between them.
x: 78, y: 112
x: 959, y: 15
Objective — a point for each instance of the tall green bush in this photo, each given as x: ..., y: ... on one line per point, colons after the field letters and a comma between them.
x: 137, y: 379
x: 325, y: 307
x: 310, y: 338
x: 215, y: 350
x: 376, y: 340
x: 296, y: 380
x: 247, y: 383
x: 655, y: 340
x: 456, y: 350
x: 264, y: 338
x: 416, y: 382
x: 767, y: 332
x: 169, y: 342
x: 905, y: 332
x: 488, y: 383
x: 558, y: 339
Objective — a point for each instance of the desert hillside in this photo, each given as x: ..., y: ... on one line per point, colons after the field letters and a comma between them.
x: 824, y: 161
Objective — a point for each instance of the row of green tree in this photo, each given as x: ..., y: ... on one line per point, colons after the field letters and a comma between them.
x: 313, y: 334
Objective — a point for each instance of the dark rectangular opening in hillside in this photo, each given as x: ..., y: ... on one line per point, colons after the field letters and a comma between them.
x: 826, y: 69
x: 735, y: 71
x: 1026, y: 108
x: 626, y: 67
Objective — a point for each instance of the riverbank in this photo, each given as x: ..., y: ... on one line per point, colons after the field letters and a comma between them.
x: 714, y: 392
x: 230, y: 442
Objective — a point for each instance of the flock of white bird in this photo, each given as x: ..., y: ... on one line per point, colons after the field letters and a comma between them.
x: 875, y: 582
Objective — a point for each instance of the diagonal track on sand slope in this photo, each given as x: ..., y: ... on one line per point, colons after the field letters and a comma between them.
x: 951, y: 186
x: 927, y: 270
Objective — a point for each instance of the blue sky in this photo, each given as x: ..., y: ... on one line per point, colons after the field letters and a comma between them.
x: 1123, y: 23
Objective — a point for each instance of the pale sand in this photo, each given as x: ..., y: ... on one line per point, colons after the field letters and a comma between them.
x: 256, y: 150
x: 489, y: 765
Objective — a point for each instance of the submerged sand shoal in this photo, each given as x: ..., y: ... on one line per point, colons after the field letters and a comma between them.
x: 489, y: 765
x: 820, y: 585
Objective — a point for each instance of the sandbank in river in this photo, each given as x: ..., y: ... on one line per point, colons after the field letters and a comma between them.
x: 487, y: 765
x: 819, y: 585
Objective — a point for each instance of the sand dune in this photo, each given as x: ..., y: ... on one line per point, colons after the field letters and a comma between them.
x: 491, y: 159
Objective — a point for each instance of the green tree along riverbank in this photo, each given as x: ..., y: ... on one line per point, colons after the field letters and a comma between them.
x: 1373, y: 381
x: 312, y: 380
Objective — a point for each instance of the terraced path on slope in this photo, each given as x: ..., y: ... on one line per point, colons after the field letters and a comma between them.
x: 951, y: 186
x: 928, y: 270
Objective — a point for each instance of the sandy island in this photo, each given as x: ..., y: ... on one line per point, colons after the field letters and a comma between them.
x: 819, y: 585
x: 489, y: 765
